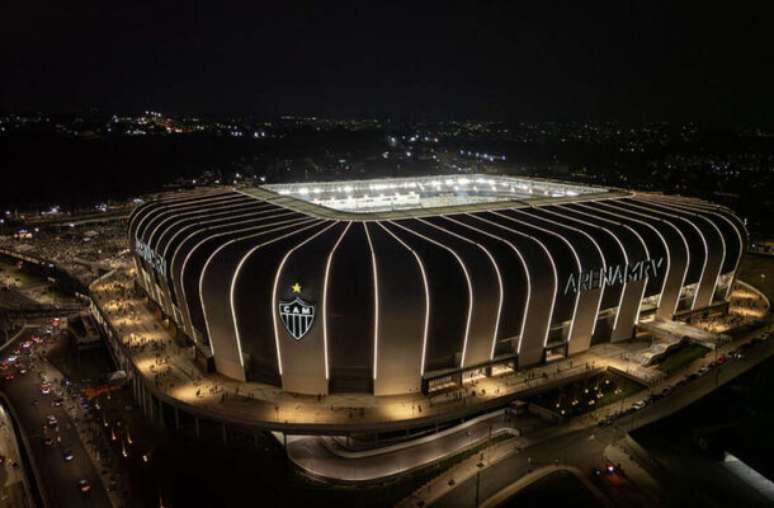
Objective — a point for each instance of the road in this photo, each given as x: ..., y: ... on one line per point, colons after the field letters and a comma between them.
x: 584, y: 448
x: 325, y: 457
x: 59, y: 478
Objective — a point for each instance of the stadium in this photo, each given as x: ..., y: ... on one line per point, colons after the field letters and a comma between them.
x: 402, y: 285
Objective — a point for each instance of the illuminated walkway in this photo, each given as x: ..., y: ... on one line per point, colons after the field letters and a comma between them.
x: 325, y: 457
x: 580, y: 440
x: 172, y: 376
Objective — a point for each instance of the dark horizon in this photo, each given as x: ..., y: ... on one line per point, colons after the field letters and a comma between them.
x: 491, y: 61
x: 386, y: 120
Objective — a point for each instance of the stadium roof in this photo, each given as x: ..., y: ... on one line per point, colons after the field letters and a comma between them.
x: 395, y: 198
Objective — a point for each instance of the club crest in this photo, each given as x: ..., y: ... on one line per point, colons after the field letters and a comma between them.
x: 297, y: 316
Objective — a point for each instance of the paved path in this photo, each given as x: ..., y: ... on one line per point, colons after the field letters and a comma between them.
x: 617, y: 454
x: 580, y: 440
x: 175, y: 378
x: 324, y: 457
x: 530, y: 478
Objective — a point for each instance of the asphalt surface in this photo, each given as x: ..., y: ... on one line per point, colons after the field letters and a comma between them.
x: 323, y: 457
x: 59, y: 478
x: 585, y: 448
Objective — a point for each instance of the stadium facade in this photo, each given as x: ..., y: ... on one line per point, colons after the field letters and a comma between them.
x: 391, y: 286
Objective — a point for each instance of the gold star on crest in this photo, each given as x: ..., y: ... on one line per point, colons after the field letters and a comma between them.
x: 296, y: 288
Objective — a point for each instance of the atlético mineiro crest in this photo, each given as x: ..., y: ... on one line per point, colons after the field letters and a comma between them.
x: 297, y: 316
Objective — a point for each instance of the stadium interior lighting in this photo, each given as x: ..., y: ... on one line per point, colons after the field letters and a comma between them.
x: 369, y: 196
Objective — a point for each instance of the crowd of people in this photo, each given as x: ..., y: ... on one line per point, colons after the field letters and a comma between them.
x: 84, y: 251
x: 744, y: 308
x: 146, y: 337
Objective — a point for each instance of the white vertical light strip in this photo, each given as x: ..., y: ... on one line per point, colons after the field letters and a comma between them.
x: 212, y: 232
x: 168, y: 279
x: 608, y: 205
x: 256, y: 231
x: 596, y: 245
x: 501, y: 297
x: 254, y: 223
x: 212, y: 256
x: 200, y: 225
x: 497, y: 272
x: 147, y: 214
x: 220, y: 210
x: 575, y: 255
x: 138, y: 233
x: 711, y: 223
x: 275, y: 285
x: 151, y: 215
x: 167, y: 201
x: 427, y: 295
x: 713, y: 211
x: 526, y: 271
x: 553, y: 267
x: 647, y: 256
x: 164, y: 207
x: 623, y: 250
x: 467, y: 278
x: 140, y: 211
x: 701, y: 235
x: 232, y: 289
x: 376, y: 299
x: 741, y: 237
x: 325, y: 298
x: 133, y: 215
x: 631, y: 212
x: 704, y: 242
x: 175, y: 213
x: 645, y: 282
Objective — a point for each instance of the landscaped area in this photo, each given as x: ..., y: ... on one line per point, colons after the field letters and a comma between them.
x: 587, y: 395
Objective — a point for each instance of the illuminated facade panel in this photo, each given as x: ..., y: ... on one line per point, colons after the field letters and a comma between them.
x: 378, y: 286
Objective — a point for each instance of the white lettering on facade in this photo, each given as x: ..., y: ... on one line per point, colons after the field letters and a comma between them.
x: 613, y: 275
x: 156, y: 261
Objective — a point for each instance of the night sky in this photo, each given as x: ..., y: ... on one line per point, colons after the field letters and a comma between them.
x: 649, y: 60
